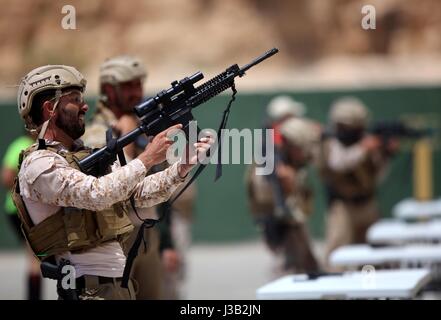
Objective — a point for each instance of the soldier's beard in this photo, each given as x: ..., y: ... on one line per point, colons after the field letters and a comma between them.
x: 71, y: 123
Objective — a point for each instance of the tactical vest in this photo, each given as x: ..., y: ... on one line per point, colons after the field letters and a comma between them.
x: 357, y: 185
x: 261, y: 196
x: 71, y: 229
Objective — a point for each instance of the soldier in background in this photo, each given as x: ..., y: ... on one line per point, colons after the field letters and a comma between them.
x: 352, y: 162
x: 280, y: 109
x: 282, y: 201
x: 121, y: 89
x: 181, y: 219
x: 158, y: 270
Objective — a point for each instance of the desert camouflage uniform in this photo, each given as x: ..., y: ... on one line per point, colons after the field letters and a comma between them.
x: 47, y: 182
x: 351, y: 174
x: 181, y: 217
x: 287, y: 236
x: 103, y: 119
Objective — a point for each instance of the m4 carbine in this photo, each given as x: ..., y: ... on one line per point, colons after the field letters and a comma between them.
x: 167, y: 108
x: 397, y: 129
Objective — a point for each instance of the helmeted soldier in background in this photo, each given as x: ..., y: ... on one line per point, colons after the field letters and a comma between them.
x: 280, y: 109
x: 121, y: 89
x: 282, y: 201
x: 352, y: 163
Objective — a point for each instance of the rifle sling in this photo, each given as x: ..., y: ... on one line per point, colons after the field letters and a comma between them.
x: 149, y: 223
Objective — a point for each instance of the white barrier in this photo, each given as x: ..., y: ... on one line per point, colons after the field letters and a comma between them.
x: 359, y: 255
x: 411, y: 209
x: 389, y: 231
x: 382, y: 284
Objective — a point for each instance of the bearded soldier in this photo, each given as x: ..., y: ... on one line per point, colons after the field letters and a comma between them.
x: 68, y: 216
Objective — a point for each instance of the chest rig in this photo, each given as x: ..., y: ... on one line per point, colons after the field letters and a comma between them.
x: 70, y: 229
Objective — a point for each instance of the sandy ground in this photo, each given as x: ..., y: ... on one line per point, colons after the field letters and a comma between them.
x: 232, y: 271
x: 215, y: 272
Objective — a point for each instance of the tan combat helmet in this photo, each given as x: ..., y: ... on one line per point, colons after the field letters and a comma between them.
x: 349, y: 111
x: 50, y: 77
x: 283, y: 106
x: 301, y: 132
x: 122, y: 69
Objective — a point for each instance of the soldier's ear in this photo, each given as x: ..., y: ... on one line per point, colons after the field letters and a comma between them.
x: 109, y: 91
x: 48, y: 109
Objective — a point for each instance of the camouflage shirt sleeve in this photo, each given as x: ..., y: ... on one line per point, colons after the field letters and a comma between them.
x: 47, y: 177
x: 158, y: 187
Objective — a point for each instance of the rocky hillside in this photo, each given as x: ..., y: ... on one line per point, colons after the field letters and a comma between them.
x: 318, y: 39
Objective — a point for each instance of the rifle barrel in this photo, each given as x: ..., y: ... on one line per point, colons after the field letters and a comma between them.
x: 264, y: 56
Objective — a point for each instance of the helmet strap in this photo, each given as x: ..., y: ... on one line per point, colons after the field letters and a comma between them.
x: 46, y: 123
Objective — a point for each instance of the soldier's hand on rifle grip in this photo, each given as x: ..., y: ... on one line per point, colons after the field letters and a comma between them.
x: 371, y: 143
x: 392, y: 146
x: 156, y: 150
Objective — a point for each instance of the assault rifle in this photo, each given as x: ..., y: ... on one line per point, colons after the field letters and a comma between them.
x: 169, y: 107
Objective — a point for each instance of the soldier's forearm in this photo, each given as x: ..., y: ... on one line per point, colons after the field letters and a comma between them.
x: 158, y: 187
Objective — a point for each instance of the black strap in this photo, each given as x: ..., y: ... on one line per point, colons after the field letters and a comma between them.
x: 201, y: 166
x: 198, y: 171
x: 111, y: 144
x: 41, y: 144
x: 149, y: 223
x: 146, y: 223
x: 133, y: 252
x: 222, y: 125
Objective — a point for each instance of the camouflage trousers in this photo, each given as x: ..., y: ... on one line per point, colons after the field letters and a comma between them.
x: 147, y: 270
x: 93, y: 288
x: 292, y: 250
x: 347, y: 223
x: 174, y: 284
